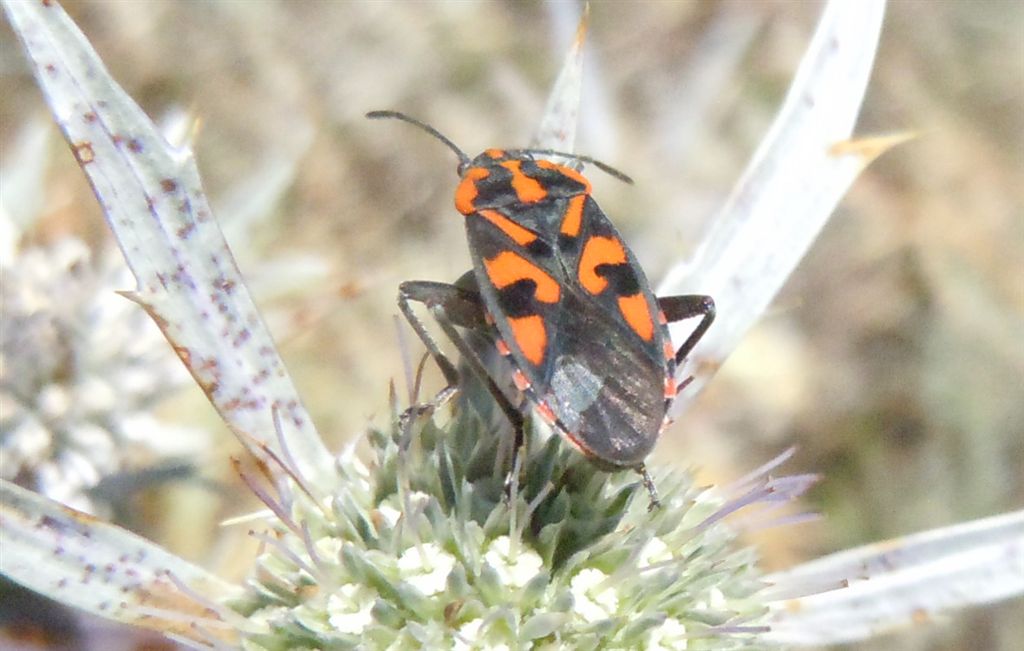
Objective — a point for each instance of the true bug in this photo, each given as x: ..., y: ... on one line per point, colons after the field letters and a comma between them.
x: 564, y: 300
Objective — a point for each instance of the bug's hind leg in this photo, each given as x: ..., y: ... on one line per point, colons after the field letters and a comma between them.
x: 679, y: 308
x: 652, y: 492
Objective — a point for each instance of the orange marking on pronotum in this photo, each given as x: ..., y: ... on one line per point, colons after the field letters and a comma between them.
x: 508, y: 267
x: 527, y: 190
x: 573, y: 217
x: 597, y: 251
x: 567, y: 172
x: 519, y: 235
x: 634, y: 309
x: 466, y: 193
x: 531, y: 336
x: 494, y: 153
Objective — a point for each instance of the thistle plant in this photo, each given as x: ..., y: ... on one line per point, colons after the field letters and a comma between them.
x: 83, y: 371
x: 81, y: 368
x: 419, y: 547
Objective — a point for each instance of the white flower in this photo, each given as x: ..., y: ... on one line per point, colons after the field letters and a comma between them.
x: 349, y: 609
x: 654, y: 551
x: 426, y: 567
x: 514, y: 570
x: 467, y: 635
x: 669, y: 636
x: 594, y: 599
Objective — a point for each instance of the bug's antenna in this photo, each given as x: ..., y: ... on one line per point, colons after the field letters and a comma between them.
x: 465, y: 160
x: 607, y: 169
x: 377, y: 115
x: 604, y: 167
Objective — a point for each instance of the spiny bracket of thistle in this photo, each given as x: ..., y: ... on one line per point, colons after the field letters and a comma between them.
x: 420, y: 549
x: 84, y: 562
x: 557, y: 128
x: 788, y: 191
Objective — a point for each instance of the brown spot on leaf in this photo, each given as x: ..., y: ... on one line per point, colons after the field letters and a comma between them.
x: 83, y: 152
x: 135, y: 146
x: 185, y: 355
x: 225, y: 285
x: 169, y: 185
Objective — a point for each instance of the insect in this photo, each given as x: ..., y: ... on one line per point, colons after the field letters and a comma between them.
x: 564, y: 301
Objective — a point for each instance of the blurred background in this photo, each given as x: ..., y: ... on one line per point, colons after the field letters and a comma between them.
x: 894, y: 357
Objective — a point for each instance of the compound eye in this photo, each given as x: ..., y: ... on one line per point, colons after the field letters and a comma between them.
x: 460, y: 169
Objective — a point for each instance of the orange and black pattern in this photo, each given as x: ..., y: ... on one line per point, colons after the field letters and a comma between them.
x: 564, y: 301
x: 570, y: 304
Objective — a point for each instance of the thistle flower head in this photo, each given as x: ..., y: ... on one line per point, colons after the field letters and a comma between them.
x: 80, y: 371
x: 423, y: 549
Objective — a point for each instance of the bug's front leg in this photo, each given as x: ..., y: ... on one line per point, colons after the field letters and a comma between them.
x: 457, y: 306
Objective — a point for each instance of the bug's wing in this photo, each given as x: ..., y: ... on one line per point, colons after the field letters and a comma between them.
x: 581, y: 323
x: 522, y: 286
x: 614, y: 358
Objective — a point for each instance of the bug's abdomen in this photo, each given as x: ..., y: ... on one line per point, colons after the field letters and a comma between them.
x: 604, y: 389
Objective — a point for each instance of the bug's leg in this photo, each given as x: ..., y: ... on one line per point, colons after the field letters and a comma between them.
x: 652, y: 492
x: 457, y: 306
x: 678, y: 308
x: 512, y: 413
x: 463, y: 308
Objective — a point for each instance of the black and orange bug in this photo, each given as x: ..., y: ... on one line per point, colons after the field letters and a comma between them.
x: 564, y: 300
